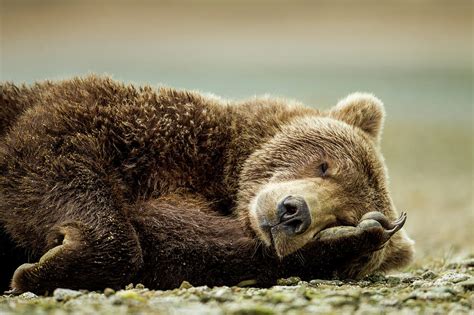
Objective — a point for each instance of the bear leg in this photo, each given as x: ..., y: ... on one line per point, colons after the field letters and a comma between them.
x: 82, y: 257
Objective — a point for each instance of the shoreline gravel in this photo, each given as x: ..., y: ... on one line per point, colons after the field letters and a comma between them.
x: 439, y: 289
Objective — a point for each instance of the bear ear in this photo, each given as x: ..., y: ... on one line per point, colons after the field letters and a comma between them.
x: 362, y: 110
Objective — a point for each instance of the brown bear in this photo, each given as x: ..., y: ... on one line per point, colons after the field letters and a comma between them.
x: 103, y: 184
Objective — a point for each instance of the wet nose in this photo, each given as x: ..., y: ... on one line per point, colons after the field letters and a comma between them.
x: 294, y: 214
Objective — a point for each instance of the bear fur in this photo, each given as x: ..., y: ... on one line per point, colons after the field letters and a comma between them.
x: 103, y: 184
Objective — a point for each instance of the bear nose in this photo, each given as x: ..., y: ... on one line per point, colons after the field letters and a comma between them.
x: 294, y: 214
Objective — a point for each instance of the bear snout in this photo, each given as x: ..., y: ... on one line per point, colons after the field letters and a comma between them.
x: 294, y: 215
x: 286, y: 215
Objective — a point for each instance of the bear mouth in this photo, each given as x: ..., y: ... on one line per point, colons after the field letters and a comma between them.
x: 329, y: 226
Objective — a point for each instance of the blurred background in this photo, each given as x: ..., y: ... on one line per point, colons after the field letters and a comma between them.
x: 417, y: 56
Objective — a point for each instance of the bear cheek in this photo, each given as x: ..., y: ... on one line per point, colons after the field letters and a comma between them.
x: 258, y: 219
x: 324, y: 210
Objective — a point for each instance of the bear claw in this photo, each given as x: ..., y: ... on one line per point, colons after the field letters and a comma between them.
x: 12, y: 292
x: 377, y: 219
x: 396, y: 225
x: 384, y: 221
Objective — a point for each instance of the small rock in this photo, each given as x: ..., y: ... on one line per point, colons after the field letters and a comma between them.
x: 417, y: 284
x: 451, y: 277
x: 407, y: 277
x: 185, y: 285
x: 363, y: 283
x: 129, y: 295
x: 109, y: 292
x: 140, y: 286
x: 317, y: 282
x: 376, y: 278
x: 116, y: 300
x: 429, y: 275
x: 393, y: 280
x: 438, y: 293
x: 462, y: 263
x: 467, y: 285
x: 129, y: 286
x: 289, y: 281
x: 389, y: 302
x: 222, y: 294
x: 247, y: 283
x: 28, y: 296
x: 65, y: 294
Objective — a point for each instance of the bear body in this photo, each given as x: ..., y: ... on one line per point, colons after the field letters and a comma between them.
x: 103, y: 184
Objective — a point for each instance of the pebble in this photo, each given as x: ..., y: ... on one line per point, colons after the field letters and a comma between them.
x: 317, y: 282
x: 65, y: 294
x: 429, y: 275
x: 469, y: 262
x: 378, y: 277
x: 451, y: 277
x: 223, y: 294
x: 418, y: 284
x: 129, y: 295
x: 393, y: 280
x: 185, y: 285
x: 28, y: 296
x: 340, y: 300
x: 247, y: 283
x: 438, y: 293
x: 376, y: 297
x: 389, y: 302
x: 108, y: 292
x: 406, y: 277
x: 467, y: 285
x: 364, y: 283
x: 289, y: 281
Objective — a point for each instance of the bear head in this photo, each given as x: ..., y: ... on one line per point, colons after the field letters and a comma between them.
x: 318, y: 171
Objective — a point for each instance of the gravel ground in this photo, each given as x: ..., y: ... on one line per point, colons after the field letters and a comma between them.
x: 440, y: 288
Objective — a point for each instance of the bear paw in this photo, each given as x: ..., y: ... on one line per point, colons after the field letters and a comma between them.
x: 373, y: 231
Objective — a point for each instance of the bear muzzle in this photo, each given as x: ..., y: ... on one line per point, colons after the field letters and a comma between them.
x: 287, y: 215
x: 294, y: 215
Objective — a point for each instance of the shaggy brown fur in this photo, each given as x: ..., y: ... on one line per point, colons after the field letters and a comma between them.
x: 105, y: 184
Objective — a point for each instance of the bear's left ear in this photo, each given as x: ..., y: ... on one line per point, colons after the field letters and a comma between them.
x: 362, y: 110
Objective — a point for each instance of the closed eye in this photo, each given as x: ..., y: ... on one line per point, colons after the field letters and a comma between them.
x: 323, y: 169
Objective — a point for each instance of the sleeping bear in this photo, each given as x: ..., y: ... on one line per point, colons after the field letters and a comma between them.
x: 103, y: 184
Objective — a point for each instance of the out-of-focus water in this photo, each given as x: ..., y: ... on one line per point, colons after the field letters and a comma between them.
x: 417, y: 57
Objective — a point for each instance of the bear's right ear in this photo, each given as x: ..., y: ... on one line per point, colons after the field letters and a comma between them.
x: 362, y: 110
